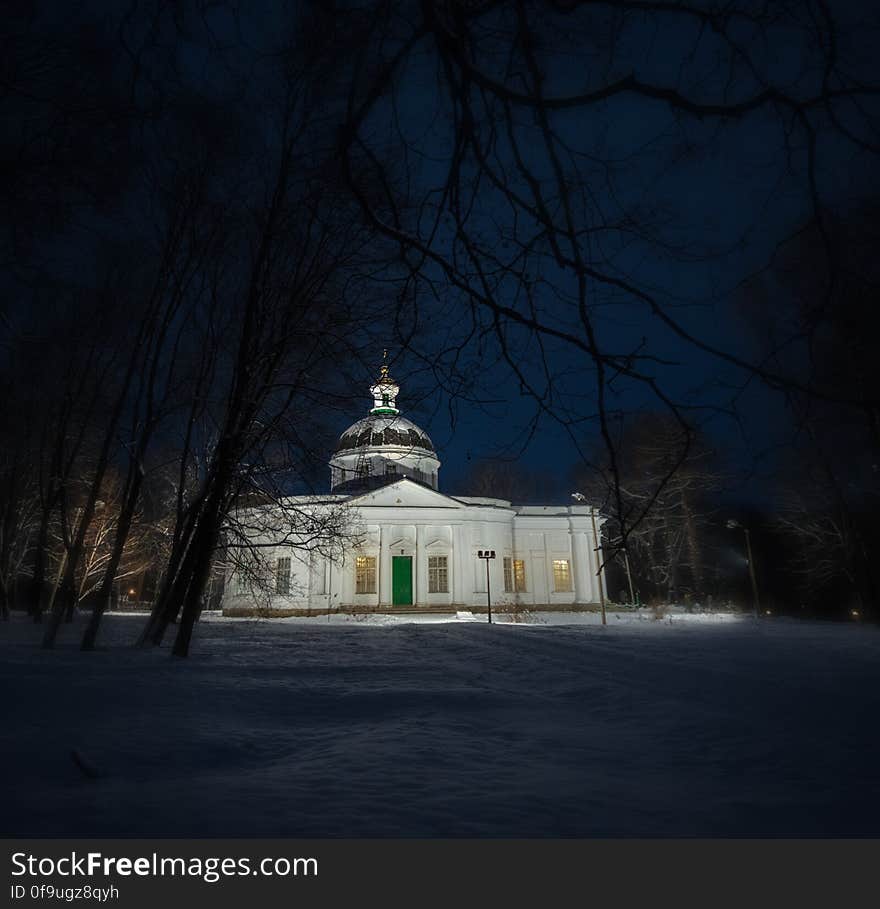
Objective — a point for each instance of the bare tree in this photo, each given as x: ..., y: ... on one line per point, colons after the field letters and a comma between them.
x: 257, y: 532
x: 18, y: 521
x: 225, y: 302
x: 667, y: 480
x: 286, y: 285
x: 829, y: 483
x: 565, y: 137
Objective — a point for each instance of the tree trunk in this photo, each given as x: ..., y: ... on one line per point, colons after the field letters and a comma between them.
x: 65, y: 594
x: 204, y: 546
x: 102, y: 600
x: 693, y: 544
x: 38, y: 576
x: 171, y: 592
x: 11, y: 514
x: 56, y: 611
x: 70, y: 598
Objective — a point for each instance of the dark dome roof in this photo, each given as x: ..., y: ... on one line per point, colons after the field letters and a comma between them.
x: 378, y: 430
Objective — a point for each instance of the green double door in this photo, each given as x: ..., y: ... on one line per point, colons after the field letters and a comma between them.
x: 401, y: 581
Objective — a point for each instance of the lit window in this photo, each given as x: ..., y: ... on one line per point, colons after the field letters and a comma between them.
x: 514, y: 575
x: 438, y: 574
x: 561, y: 575
x: 519, y: 575
x: 282, y: 576
x: 365, y: 574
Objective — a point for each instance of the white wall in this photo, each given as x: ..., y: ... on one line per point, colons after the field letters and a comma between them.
x: 537, y: 535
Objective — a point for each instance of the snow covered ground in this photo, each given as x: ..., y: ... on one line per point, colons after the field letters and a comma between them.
x: 382, y: 726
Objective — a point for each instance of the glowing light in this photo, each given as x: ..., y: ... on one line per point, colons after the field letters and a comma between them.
x: 132, y: 592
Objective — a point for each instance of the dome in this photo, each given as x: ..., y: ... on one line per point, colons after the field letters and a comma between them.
x: 378, y: 431
x: 383, y: 446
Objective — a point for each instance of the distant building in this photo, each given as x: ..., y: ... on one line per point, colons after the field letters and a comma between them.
x: 415, y: 547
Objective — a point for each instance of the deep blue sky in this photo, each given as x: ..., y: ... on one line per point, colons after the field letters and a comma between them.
x: 725, y: 197
x: 723, y: 194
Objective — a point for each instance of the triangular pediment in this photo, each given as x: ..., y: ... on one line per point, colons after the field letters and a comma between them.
x: 404, y: 493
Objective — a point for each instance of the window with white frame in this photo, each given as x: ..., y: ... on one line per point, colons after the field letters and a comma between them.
x: 282, y: 575
x: 438, y: 574
x: 561, y: 575
x: 365, y: 574
x: 514, y: 575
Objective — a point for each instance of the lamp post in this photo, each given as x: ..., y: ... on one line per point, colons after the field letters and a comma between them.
x: 487, y: 554
x: 732, y: 525
x: 598, y: 550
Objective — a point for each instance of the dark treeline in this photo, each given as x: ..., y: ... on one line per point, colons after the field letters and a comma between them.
x: 180, y: 256
x: 612, y: 172
x: 812, y: 532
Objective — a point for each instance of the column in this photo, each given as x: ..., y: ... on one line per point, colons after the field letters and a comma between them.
x: 460, y: 558
x: 384, y: 567
x: 583, y: 566
x: 420, y: 569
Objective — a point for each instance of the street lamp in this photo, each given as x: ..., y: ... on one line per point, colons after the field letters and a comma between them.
x: 732, y: 524
x: 597, y: 549
x: 487, y: 554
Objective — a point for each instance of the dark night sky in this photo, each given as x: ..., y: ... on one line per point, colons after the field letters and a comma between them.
x: 730, y: 194
x: 734, y: 203
x: 726, y: 195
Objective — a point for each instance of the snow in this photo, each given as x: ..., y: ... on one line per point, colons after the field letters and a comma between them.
x: 384, y: 726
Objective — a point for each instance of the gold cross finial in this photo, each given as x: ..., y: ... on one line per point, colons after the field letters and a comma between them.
x: 384, y: 369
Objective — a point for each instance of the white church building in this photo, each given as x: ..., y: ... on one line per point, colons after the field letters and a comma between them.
x: 411, y: 547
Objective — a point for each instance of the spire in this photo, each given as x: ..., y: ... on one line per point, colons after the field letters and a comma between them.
x: 385, y: 390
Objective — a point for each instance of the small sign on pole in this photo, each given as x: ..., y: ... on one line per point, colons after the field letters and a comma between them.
x: 487, y: 554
